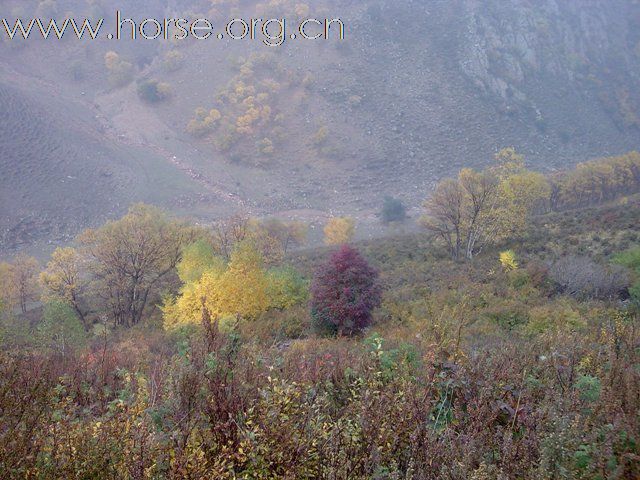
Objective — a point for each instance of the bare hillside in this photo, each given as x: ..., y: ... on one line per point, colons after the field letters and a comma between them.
x: 417, y: 90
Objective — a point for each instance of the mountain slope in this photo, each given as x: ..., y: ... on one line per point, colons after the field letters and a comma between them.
x: 61, y: 172
x: 417, y: 90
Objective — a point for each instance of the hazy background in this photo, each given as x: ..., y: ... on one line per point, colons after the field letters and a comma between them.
x: 417, y: 90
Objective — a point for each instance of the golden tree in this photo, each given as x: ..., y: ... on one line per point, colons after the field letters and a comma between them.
x: 339, y: 230
x: 478, y: 208
x: 239, y: 289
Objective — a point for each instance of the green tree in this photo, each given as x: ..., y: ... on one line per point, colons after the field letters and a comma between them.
x: 61, y: 329
x: 62, y: 280
x: 286, y: 288
x: 393, y: 210
x: 198, y: 258
x: 631, y: 260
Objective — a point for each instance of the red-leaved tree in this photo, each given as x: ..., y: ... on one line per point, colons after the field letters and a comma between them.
x: 344, y: 293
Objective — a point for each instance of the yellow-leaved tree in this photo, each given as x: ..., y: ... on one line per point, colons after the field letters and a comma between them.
x: 18, y: 281
x: 520, y: 193
x: 243, y: 286
x: 481, y: 207
x: 240, y: 288
x: 339, y: 230
x: 235, y: 289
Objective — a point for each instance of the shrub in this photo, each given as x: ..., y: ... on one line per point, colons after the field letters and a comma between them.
x: 508, y: 316
x: 152, y: 91
x: 344, y: 292
x: 631, y: 260
x: 277, y: 325
x: 583, y: 278
x: 61, y: 330
x: 120, y: 71
x: 508, y: 261
x: 393, y: 210
x: 589, y: 388
x: 538, y: 274
x: 559, y: 316
x: 172, y: 60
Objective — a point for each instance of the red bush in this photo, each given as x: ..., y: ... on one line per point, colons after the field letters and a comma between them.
x: 344, y: 293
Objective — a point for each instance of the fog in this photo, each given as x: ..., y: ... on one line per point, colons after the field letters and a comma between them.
x: 307, y: 129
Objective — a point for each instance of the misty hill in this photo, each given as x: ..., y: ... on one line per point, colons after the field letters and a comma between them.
x: 417, y: 90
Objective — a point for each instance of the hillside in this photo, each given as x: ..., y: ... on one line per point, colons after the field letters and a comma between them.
x: 416, y: 91
x: 467, y: 370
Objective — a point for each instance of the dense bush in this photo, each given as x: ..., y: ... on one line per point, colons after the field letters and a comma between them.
x: 631, y: 260
x: 344, y: 292
x: 582, y: 277
x: 60, y: 330
x: 215, y: 407
x: 152, y: 91
x: 393, y: 210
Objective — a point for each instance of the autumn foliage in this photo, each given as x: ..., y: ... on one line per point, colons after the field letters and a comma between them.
x: 518, y: 363
x: 18, y: 282
x: 344, y: 292
x: 339, y: 230
x: 596, y: 181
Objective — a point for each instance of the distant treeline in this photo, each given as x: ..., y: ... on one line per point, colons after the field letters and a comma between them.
x: 595, y: 181
x: 482, y: 207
